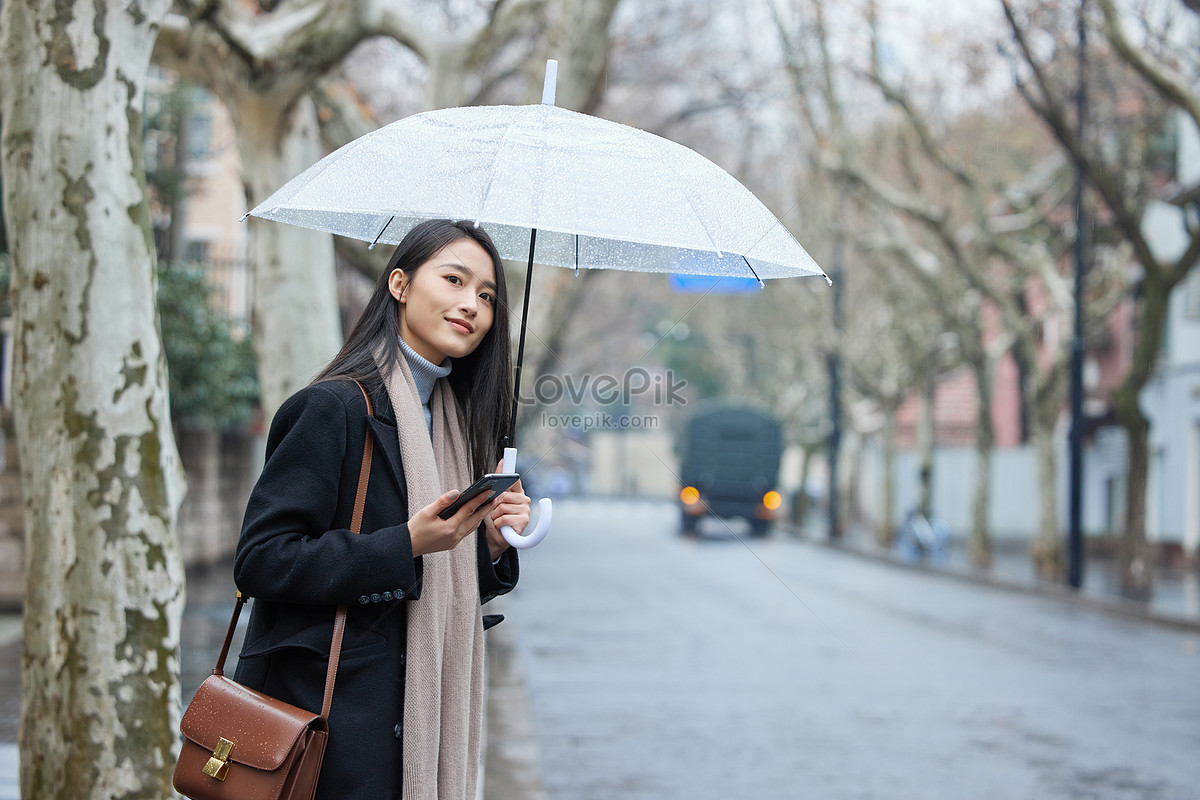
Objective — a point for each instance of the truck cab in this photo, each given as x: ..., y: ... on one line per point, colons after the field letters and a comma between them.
x: 729, y: 467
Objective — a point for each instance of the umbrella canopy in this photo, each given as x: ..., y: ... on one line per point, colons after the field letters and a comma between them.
x: 601, y: 195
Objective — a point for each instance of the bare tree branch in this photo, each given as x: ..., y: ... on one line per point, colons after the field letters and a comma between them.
x: 1170, y: 84
x: 1052, y: 111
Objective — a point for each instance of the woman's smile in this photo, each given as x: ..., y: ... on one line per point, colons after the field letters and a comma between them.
x: 461, y: 324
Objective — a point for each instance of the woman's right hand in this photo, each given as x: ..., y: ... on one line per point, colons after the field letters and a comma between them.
x: 431, y: 534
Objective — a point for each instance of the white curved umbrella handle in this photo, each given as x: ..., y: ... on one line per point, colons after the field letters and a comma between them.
x: 545, y: 513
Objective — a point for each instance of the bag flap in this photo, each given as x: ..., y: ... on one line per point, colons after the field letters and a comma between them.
x: 263, y: 730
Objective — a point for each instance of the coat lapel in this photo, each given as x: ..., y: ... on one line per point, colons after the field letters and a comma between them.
x: 387, y: 442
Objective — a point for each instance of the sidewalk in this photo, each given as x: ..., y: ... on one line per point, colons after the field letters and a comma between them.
x: 1176, y: 600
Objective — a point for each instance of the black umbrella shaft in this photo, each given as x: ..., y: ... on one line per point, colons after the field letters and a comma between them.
x: 512, y: 423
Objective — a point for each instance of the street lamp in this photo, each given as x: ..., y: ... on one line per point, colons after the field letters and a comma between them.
x: 835, y: 383
x: 1074, y: 527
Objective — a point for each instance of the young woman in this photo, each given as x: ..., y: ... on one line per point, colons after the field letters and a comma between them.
x: 432, y: 351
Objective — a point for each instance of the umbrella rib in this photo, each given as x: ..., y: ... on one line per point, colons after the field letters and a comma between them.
x: 752, y: 272
x: 382, y: 231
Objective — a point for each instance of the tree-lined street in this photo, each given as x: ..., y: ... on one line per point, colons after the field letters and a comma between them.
x: 670, y: 668
x: 1005, y: 193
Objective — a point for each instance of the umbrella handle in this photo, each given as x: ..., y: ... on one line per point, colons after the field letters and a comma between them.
x: 545, y: 513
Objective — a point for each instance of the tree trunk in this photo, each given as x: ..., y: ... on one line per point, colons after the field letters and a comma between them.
x: 850, y: 469
x: 100, y: 475
x: 884, y: 531
x: 800, y: 509
x: 1135, y: 559
x: 979, y: 543
x: 296, y: 324
x: 925, y: 438
x: 181, y: 104
x: 1046, y: 549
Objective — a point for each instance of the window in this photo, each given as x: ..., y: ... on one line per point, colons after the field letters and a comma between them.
x: 195, y: 250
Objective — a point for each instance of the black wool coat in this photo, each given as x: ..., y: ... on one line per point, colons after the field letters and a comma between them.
x: 299, y: 560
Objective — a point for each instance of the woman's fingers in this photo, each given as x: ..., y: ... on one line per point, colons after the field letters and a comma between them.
x: 430, y: 533
x: 445, y: 501
x: 513, y: 510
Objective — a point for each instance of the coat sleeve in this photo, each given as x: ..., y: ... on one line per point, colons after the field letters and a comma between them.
x: 499, y: 578
x: 287, y: 551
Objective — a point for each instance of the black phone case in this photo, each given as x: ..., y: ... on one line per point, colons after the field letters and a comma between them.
x: 493, y: 481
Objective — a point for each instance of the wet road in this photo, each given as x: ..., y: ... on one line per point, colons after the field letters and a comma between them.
x: 665, y: 668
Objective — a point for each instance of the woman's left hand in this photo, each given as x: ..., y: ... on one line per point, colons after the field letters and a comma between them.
x: 510, y: 508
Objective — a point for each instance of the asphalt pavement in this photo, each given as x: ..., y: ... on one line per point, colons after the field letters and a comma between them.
x: 662, y: 667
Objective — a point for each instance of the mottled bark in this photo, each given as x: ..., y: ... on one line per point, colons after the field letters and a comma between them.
x: 925, y: 440
x: 297, y: 327
x: 800, y: 508
x: 100, y: 476
x: 885, y: 532
x: 1135, y: 556
x: 1047, y: 547
x: 979, y: 543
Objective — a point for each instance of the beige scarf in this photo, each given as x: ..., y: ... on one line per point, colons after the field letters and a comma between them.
x: 443, y: 698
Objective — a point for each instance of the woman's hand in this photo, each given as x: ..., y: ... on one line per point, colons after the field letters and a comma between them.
x: 512, y: 508
x: 431, y: 534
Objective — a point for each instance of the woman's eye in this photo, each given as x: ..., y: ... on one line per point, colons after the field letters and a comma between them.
x: 488, y: 297
x: 454, y: 279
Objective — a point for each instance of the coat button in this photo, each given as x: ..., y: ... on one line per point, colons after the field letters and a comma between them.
x: 399, y: 730
x: 363, y: 600
x: 398, y: 594
x: 387, y: 595
x: 375, y: 598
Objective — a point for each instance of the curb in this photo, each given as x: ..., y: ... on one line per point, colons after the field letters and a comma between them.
x: 1113, y: 606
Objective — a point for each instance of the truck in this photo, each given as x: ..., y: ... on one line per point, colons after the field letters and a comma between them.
x: 729, y: 467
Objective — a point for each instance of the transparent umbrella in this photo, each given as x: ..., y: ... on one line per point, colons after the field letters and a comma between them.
x: 552, y: 186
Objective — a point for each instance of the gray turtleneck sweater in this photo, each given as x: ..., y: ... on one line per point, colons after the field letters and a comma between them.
x: 425, y: 374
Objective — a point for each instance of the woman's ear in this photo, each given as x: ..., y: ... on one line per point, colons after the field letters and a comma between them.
x: 397, y: 286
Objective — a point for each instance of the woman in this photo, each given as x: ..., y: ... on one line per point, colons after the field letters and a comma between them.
x: 432, y: 350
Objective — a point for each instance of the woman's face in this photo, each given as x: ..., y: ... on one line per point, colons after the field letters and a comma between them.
x: 448, y: 303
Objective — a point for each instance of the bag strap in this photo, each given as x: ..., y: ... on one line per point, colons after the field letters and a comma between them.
x: 339, y: 621
x: 360, y: 501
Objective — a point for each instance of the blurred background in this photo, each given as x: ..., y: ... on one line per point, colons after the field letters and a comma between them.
x: 1001, y: 385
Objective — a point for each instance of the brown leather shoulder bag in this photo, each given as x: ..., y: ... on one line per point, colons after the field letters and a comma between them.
x: 240, y: 744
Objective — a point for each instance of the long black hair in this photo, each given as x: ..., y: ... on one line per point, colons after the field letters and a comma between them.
x: 481, y: 381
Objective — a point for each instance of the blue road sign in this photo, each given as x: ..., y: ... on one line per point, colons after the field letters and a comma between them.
x: 704, y: 284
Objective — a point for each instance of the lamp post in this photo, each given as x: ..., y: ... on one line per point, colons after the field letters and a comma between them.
x: 1075, y: 514
x: 835, y: 386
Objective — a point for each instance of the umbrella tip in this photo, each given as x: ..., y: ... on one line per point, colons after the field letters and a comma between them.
x: 243, y: 219
x: 551, y: 81
x: 476, y: 223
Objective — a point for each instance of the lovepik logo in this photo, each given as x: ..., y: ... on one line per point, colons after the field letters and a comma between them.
x: 660, y: 389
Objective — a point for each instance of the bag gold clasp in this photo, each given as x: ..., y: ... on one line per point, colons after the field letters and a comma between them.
x: 218, y: 766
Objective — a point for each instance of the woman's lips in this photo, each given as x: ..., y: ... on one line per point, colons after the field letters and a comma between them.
x: 465, y: 327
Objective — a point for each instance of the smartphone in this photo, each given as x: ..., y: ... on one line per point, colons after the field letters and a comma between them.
x: 495, y: 482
